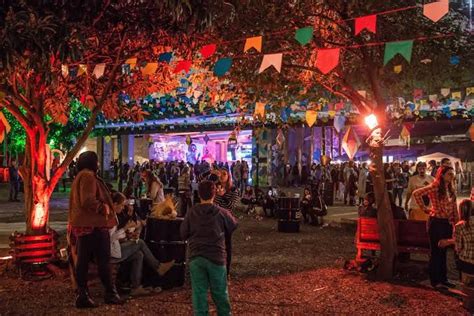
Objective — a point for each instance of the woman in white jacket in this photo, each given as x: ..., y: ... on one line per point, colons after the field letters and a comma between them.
x: 127, y: 246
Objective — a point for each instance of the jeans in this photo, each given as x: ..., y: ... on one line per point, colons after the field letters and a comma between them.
x: 438, y: 228
x: 14, y: 189
x: 95, y: 244
x: 136, y: 252
x: 205, y: 275
x: 398, y: 193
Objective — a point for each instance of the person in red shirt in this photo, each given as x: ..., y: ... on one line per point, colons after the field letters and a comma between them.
x: 443, y: 215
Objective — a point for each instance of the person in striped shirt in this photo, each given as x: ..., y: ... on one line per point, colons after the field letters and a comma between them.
x: 443, y: 215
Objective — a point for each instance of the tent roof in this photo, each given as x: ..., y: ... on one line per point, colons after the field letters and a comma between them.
x: 437, y: 156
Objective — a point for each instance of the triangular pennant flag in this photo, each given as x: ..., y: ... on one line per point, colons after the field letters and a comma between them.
x: 433, y: 97
x: 99, y: 70
x: 253, y: 42
x: 183, y: 65
x: 2, y: 136
x: 454, y: 60
x: 418, y: 93
x: 436, y: 10
x: 403, y: 48
x: 188, y: 140
x: 405, y: 135
x: 397, y: 69
x: 132, y: 62
x: 471, y: 132
x: 445, y: 92
x: 222, y: 66
x: 350, y: 143
x: 327, y: 59
x: 165, y: 57
x: 304, y: 35
x: 149, y: 69
x: 271, y: 60
x: 259, y: 110
x: 64, y: 70
x: 82, y: 70
x: 456, y: 95
x: 280, y: 139
x: 339, y: 122
x: 362, y: 93
x: 368, y: 22
x: 208, y: 50
x: 311, y: 116
x: 469, y: 90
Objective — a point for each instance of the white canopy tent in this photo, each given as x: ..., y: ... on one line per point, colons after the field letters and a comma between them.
x: 438, y: 156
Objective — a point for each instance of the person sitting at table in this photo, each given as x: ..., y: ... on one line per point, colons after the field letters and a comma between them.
x: 249, y: 198
x: 125, y: 245
x: 154, y: 187
x: 306, y: 205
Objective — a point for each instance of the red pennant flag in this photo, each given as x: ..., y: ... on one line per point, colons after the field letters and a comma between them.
x: 368, y: 22
x: 417, y: 93
x: 183, y: 65
x: 327, y: 59
x: 208, y: 50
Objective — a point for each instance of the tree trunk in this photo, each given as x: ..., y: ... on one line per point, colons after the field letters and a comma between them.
x: 388, y: 241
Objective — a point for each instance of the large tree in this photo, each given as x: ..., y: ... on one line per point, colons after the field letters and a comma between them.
x: 48, y: 50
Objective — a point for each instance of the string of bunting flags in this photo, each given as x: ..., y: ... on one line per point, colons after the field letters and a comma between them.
x: 326, y: 60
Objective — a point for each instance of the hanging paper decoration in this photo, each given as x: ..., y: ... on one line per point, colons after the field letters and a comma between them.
x: 64, y: 70
x: 222, y: 66
x: 280, y: 139
x: 165, y: 57
x: 132, y: 62
x: 304, y: 35
x: 206, y: 138
x: 454, y: 60
x: 188, y: 140
x: 362, y: 93
x: 126, y: 70
x: 368, y: 22
x: 232, y: 139
x: 350, y: 143
x: 82, y: 70
x: 417, y: 93
x: 183, y: 65
x: 259, y: 110
x: 405, y: 134
x: 436, y: 10
x: 445, y: 92
x: 469, y: 91
x: 397, y: 69
x: 403, y: 48
x: 4, y: 127
x: 107, y: 139
x: 311, y: 116
x: 149, y: 69
x: 327, y: 59
x: 253, y: 42
x: 208, y: 50
x: 456, y: 95
x: 339, y: 123
x: 99, y: 70
x: 271, y: 60
x: 433, y: 97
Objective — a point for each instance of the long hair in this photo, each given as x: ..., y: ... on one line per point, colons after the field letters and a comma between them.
x: 88, y: 160
x: 442, y: 192
x: 465, y: 210
x: 150, y: 178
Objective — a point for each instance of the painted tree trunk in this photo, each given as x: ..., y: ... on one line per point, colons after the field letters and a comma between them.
x: 388, y: 241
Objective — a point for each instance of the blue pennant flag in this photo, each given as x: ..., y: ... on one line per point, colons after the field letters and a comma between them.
x: 166, y: 57
x: 222, y: 66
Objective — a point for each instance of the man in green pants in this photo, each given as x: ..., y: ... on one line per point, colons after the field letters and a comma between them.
x: 205, y: 227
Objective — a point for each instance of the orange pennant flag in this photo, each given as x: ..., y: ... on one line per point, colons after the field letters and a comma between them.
x: 436, y: 10
x: 311, y: 116
x: 253, y: 42
x: 471, y: 132
x: 132, y: 62
x: 5, y: 123
x: 271, y: 60
x: 259, y: 110
x: 149, y: 69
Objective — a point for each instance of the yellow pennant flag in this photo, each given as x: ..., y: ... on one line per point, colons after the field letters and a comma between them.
x: 456, y: 95
x: 149, y: 69
x: 259, y: 110
x: 332, y: 114
x: 311, y: 117
x: 132, y: 62
x: 82, y: 70
x: 469, y: 90
x: 397, y: 69
x: 253, y: 42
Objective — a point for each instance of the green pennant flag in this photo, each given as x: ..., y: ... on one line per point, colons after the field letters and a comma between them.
x: 304, y: 35
x: 403, y: 48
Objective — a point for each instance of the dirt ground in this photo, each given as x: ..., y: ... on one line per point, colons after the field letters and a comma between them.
x: 272, y: 274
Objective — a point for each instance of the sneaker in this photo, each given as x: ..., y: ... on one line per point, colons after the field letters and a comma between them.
x: 139, y: 291
x: 165, y: 267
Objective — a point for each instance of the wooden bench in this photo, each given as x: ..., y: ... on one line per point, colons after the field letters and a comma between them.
x: 412, y: 236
